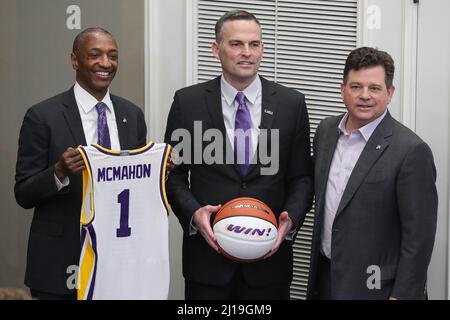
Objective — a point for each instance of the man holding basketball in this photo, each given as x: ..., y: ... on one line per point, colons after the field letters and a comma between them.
x: 240, y: 101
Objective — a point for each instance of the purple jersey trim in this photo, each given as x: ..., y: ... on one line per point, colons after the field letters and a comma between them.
x: 92, y: 184
x: 82, y: 237
x: 161, y: 175
x: 119, y: 154
x: 94, y: 247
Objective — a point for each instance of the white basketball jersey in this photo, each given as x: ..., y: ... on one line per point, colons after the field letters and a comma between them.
x: 124, y: 224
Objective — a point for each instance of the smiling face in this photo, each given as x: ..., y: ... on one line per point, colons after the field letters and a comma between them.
x: 96, y: 63
x: 240, y: 52
x: 365, y: 95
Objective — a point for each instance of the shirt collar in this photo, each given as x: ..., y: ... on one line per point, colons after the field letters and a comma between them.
x: 251, y: 92
x: 88, y: 101
x: 366, y: 131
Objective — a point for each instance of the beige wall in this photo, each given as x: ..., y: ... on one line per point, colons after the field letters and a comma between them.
x: 13, y: 223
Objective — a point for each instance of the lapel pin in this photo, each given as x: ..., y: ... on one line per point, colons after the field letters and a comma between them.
x: 124, y: 120
x: 268, y: 111
x: 378, y: 147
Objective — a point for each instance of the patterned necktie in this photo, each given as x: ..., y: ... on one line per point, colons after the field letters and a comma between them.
x: 242, y: 137
x: 102, y: 126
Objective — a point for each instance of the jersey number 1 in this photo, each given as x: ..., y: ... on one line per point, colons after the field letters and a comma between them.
x: 124, y: 199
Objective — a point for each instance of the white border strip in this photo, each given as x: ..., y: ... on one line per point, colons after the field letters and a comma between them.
x: 151, y: 86
x: 191, y: 42
x: 409, y: 77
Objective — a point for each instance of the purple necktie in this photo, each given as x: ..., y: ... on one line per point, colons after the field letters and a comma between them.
x: 242, y: 138
x: 102, y: 126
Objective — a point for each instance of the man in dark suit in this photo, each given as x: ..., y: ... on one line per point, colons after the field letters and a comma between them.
x: 48, y: 166
x: 196, y: 189
x: 376, y: 199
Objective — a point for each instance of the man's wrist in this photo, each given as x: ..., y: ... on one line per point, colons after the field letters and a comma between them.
x: 61, y: 184
x: 58, y: 173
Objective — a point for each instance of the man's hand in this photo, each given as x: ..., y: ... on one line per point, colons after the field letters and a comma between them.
x: 69, y: 163
x: 173, y: 159
x: 285, y: 225
x: 202, y: 222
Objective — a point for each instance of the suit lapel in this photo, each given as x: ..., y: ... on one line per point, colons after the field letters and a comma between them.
x: 374, y: 148
x: 122, y: 123
x: 331, y: 138
x: 214, y: 104
x: 268, y: 104
x: 73, y: 120
x: 214, y: 107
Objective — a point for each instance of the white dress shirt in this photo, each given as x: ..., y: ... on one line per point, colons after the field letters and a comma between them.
x: 348, y: 149
x: 88, y: 114
x: 253, y: 99
x: 86, y: 106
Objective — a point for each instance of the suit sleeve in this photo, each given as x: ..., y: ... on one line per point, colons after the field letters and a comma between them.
x: 180, y: 197
x: 300, y: 170
x: 417, y: 206
x: 142, y: 129
x: 35, y: 180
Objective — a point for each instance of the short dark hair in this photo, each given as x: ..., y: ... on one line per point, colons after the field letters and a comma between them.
x: 231, y: 16
x: 80, y: 37
x: 365, y: 57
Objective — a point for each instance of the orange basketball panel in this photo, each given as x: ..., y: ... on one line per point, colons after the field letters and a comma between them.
x: 245, y: 206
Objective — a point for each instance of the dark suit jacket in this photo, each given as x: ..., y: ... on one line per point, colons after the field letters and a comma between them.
x: 290, y: 189
x: 386, y: 217
x: 48, y: 129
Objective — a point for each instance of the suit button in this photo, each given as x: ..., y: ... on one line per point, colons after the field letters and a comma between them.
x: 335, y: 230
x: 244, y: 185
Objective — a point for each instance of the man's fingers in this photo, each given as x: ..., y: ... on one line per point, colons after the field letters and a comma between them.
x: 283, y: 218
x: 71, y: 161
x: 77, y: 166
x: 213, y: 209
x: 202, y: 220
x: 75, y: 159
x: 174, y: 158
x: 74, y: 155
x: 74, y: 164
x: 71, y: 156
x: 275, y: 246
x: 211, y: 241
x: 213, y: 245
x: 269, y: 254
x: 209, y: 232
x: 70, y: 152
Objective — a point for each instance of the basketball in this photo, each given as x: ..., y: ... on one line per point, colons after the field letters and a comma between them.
x: 246, y: 229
